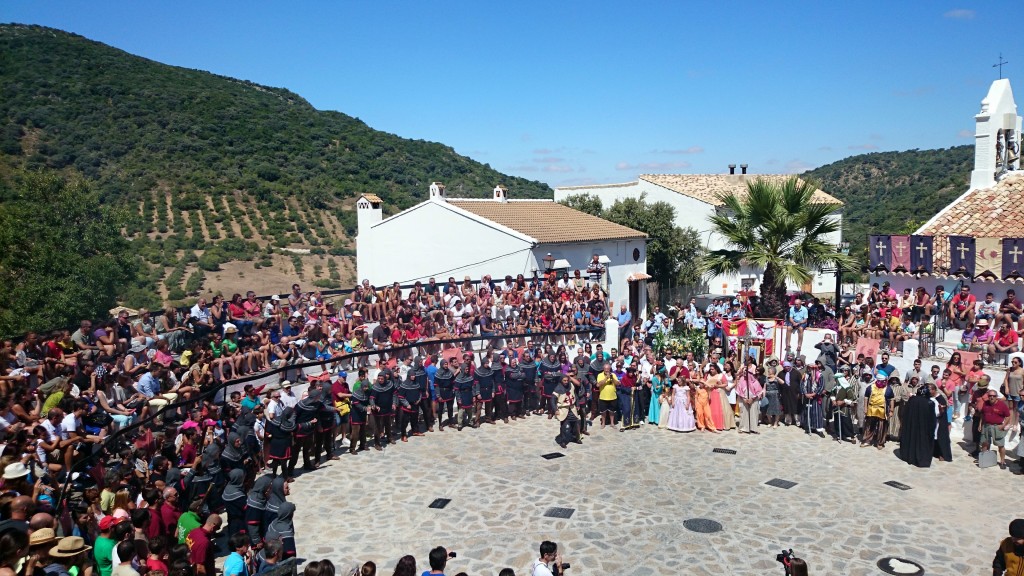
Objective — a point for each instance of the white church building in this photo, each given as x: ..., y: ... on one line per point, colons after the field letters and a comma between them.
x: 695, y: 198
x: 990, y: 208
x: 457, y: 237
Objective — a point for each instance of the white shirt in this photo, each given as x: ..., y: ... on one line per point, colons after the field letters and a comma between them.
x: 272, y: 408
x: 288, y: 400
x: 540, y: 569
x: 55, y: 432
x: 68, y: 425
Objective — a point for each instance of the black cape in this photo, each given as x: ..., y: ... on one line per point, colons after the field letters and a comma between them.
x: 917, y: 436
x: 942, y: 446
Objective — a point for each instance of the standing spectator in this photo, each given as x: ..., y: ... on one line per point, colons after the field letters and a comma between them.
x: 126, y: 554
x: 235, y: 564
x: 995, y: 416
x: 796, y: 320
x: 625, y: 323
x: 202, y: 551
x: 67, y: 555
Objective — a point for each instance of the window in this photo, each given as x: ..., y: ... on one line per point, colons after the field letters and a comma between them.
x: 636, y: 254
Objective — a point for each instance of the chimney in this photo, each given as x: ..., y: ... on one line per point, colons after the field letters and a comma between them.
x: 437, y: 192
x: 732, y: 168
x: 743, y: 168
x: 500, y: 193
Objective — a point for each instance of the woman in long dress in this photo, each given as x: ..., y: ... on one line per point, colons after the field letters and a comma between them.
x: 700, y: 392
x: 681, y: 417
x: 657, y: 387
x: 714, y: 384
x: 665, y: 411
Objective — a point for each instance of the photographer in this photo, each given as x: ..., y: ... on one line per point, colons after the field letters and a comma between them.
x: 438, y: 560
x: 550, y: 561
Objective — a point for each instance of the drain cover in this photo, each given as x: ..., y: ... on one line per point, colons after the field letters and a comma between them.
x: 552, y: 456
x: 559, y: 512
x: 780, y: 483
x: 897, y: 485
x: 440, y: 503
x: 724, y: 451
x: 900, y: 567
x: 702, y: 525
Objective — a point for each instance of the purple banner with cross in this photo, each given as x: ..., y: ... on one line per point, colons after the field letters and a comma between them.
x: 879, y: 253
x: 922, y: 249
x: 962, y: 255
x: 1013, y: 257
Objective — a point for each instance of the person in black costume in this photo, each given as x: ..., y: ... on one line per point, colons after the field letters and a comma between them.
x: 444, y: 384
x: 465, y: 395
x: 500, y: 391
x: 234, y: 501
x: 565, y: 404
x: 943, y: 451
x: 326, y: 416
x: 408, y: 397
x: 515, y: 387
x: 382, y: 406
x: 484, y: 375
x: 280, y: 430
x: 358, y: 418
x: 551, y: 374
x: 917, y: 432
x: 530, y: 393
x: 306, y: 412
x: 425, y: 405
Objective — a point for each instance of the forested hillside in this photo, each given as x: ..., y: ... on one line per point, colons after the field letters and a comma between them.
x: 894, y: 192
x: 219, y: 182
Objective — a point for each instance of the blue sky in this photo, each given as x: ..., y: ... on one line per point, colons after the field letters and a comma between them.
x: 598, y: 91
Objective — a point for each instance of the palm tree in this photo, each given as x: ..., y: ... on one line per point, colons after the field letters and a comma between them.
x: 778, y: 228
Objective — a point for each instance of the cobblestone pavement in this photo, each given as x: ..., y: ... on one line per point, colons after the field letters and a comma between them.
x: 631, y: 493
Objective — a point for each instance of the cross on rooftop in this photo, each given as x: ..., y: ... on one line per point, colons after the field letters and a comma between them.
x: 1000, y: 65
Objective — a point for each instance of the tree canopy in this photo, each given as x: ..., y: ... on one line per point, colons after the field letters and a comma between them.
x: 62, y: 256
x: 775, y: 227
x: 672, y: 252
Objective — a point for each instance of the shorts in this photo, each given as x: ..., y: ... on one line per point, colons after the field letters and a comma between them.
x: 993, y: 436
x: 608, y: 405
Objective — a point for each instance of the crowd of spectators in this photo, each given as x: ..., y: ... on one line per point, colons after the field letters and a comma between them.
x: 116, y: 448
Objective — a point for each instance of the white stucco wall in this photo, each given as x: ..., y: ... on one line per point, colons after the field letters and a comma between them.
x: 695, y: 214
x: 436, y: 239
x: 431, y: 240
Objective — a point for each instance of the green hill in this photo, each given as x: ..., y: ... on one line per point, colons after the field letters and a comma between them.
x: 214, y: 175
x: 894, y: 192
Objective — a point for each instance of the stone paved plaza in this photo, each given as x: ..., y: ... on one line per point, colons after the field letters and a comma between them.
x: 631, y: 493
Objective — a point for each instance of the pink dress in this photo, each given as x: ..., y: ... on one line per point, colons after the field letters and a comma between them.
x: 680, y: 419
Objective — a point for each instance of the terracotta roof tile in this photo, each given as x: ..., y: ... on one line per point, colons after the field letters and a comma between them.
x: 708, y: 187
x: 547, y: 221
x: 373, y: 198
x: 986, y: 213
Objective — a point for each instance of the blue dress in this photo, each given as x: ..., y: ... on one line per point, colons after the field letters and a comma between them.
x: 653, y: 411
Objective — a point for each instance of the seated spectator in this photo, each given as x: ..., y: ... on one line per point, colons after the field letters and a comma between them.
x: 1005, y: 341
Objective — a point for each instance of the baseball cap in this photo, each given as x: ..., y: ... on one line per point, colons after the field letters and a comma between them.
x: 296, y: 314
x: 108, y: 522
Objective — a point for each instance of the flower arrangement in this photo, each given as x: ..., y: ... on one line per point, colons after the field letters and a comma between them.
x: 679, y: 342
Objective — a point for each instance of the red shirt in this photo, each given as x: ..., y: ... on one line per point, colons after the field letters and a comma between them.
x: 200, y: 551
x: 236, y: 311
x: 169, y: 516
x: 995, y: 412
x: 962, y: 303
x: 1008, y: 339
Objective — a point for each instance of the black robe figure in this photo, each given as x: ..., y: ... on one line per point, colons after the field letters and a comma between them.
x: 279, y: 443
x: 530, y: 394
x: 306, y: 412
x: 283, y: 529
x: 789, y: 391
x: 255, y: 509
x: 500, y: 393
x: 917, y: 430
x: 465, y: 395
x: 942, y: 446
x: 358, y: 418
x: 551, y: 374
x: 408, y: 396
x: 234, y: 501
x: 211, y: 464
x: 326, y: 416
x: 426, y: 404
x: 515, y: 387
x: 484, y: 375
x: 275, y: 499
x: 382, y: 407
x: 444, y: 385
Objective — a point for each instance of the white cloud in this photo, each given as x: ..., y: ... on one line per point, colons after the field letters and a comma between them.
x: 690, y: 150
x: 965, y: 133
x: 797, y: 166
x: 960, y: 14
x: 652, y: 165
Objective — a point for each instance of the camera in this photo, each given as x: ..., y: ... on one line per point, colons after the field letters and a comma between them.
x: 452, y: 554
x: 786, y: 559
